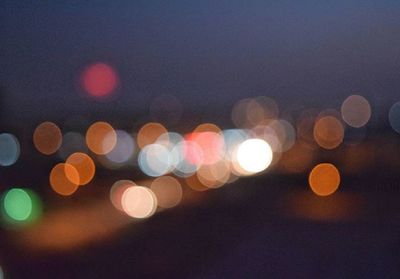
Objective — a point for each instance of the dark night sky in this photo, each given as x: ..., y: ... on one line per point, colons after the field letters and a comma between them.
x: 210, y: 52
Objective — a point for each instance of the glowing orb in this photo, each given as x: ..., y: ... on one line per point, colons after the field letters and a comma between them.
x: 99, y: 80
x: 324, y: 179
x: 254, y: 155
x: 139, y: 202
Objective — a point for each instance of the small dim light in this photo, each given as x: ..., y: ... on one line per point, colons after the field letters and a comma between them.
x: 168, y: 191
x: 328, y: 132
x: 47, y: 138
x: 356, y: 111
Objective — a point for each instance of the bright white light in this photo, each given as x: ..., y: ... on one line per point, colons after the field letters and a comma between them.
x: 254, y: 155
x: 139, y: 202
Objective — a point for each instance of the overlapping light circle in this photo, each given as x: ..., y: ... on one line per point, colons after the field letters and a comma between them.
x: 139, y: 202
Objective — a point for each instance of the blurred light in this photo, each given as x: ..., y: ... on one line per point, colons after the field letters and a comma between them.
x: 168, y: 191
x: 123, y: 150
x: 117, y: 190
x: 356, y: 111
x: 64, y: 179
x: 328, y: 132
x: 84, y: 165
x: 47, y: 138
x: 329, y: 112
x: 149, y: 133
x: 305, y: 127
x: 101, y: 138
x: 254, y: 155
x: 139, y: 202
x: 99, y: 80
x: 9, y: 149
x: 155, y: 160
x: 211, y: 145
x: 239, y: 113
x: 21, y: 206
x: 232, y: 138
x: 261, y: 110
x: 279, y: 134
x: 72, y: 225
x: 183, y: 155
x: 195, y: 184
x: 1, y: 273
x: 214, y: 176
x: 324, y: 179
x: 248, y: 113
x: 169, y: 140
x: 394, y: 117
x: 166, y: 109
x: 207, y: 127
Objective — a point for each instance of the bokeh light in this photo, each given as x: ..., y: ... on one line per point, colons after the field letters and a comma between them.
x: 64, y: 179
x: 211, y: 145
x: 84, y: 165
x: 254, y: 155
x: 356, y: 111
x: 168, y: 191
x: 149, y: 133
x: 47, y: 138
x: 117, y: 190
x: 186, y: 158
x: 324, y: 179
x: 9, y: 149
x: 394, y: 117
x: 155, y: 160
x: 207, y: 127
x: 139, y: 202
x: 214, y: 176
x: 169, y: 140
x: 195, y: 184
x: 305, y: 127
x: 250, y: 112
x: 21, y: 206
x: 328, y: 132
x: 99, y: 80
x: 101, y: 138
x: 124, y: 148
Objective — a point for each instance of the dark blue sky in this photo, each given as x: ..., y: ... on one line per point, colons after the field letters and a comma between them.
x: 210, y: 52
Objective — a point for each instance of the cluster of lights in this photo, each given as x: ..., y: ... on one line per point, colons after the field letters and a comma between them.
x: 203, y: 159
